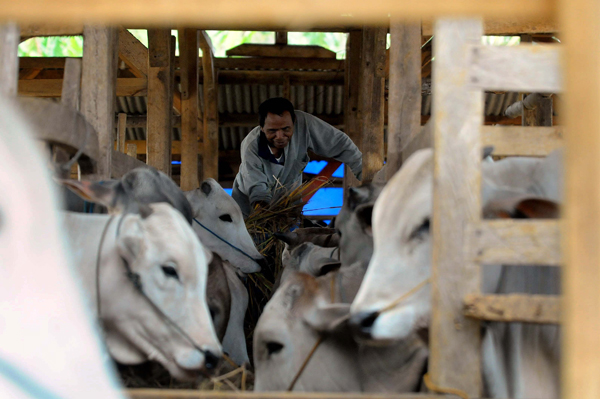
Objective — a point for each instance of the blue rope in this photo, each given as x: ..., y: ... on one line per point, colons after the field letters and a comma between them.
x: 24, y: 382
x: 224, y: 240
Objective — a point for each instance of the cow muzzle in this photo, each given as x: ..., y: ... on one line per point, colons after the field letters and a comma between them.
x: 362, y: 323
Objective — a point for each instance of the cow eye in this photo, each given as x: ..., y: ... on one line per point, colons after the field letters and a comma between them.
x: 422, y: 229
x: 226, y: 218
x: 170, y: 271
x: 274, y: 347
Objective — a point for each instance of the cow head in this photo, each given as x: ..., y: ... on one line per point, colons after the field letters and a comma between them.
x: 165, y: 256
x: 220, y: 213
x: 293, y: 320
x: 402, y: 250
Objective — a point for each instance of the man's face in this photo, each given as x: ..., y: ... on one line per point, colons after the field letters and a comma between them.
x: 278, y: 129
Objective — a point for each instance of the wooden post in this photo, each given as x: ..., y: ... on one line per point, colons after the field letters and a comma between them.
x: 71, y: 88
x: 352, y: 111
x: 458, y: 115
x: 372, y: 91
x: 188, y: 57
x: 98, y: 89
x: 281, y: 37
x: 160, y: 99
x: 581, y: 239
x: 404, y: 103
x: 210, y: 155
x: 9, y: 58
x: 121, y: 132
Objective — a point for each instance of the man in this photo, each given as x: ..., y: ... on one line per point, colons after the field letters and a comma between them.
x: 275, y: 152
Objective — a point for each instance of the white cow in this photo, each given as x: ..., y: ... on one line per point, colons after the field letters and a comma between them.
x: 50, y: 346
x: 220, y: 225
x: 519, y: 361
x: 159, y: 249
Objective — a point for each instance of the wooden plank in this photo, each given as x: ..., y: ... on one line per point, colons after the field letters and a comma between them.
x: 126, y: 87
x: 210, y: 156
x: 98, y: 90
x: 196, y: 394
x: 517, y: 68
x: 160, y: 100
x: 280, y: 50
x: 176, y: 147
x: 188, y: 47
x: 9, y: 58
x: 281, y: 37
x: 121, y: 132
x: 133, y: 53
x: 372, y: 91
x: 522, y: 141
x: 458, y: 114
x: 540, y: 309
x: 352, y: 103
x: 33, y: 30
x: 580, y: 277
x: 123, y: 163
x: 404, y: 103
x: 294, y: 14
x: 71, y: 88
x: 132, y: 149
x: 514, y: 242
x: 508, y: 27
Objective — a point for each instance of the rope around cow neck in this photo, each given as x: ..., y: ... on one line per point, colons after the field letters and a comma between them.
x: 224, y: 240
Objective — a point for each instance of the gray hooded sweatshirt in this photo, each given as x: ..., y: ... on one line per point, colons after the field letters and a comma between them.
x: 260, y: 173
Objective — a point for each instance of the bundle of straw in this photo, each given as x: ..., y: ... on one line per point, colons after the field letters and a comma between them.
x: 282, y: 214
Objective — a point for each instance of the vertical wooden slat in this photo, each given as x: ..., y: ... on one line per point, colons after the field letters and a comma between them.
x: 9, y: 58
x: 458, y: 115
x: 281, y: 37
x: 581, y: 242
x: 352, y: 111
x: 132, y: 150
x: 404, y: 104
x: 121, y: 132
x: 188, y: 57
x: 372, y: 89
x: 71, y: 88
x: 160, y: 99
x: 98, y: 89
x: 210, y: 153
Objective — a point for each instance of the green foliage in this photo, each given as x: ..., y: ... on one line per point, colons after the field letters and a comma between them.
x: 66, y: 46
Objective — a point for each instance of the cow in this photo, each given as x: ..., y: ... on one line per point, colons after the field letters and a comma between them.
x: 51, y: 345
x: 518, y: 360
x: 219, y: 223
x: 146, y: 276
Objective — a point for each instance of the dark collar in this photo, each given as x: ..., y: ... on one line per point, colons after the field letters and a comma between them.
x: 263, y: 149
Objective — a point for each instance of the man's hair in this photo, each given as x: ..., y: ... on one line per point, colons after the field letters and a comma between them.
x: 277, y: 106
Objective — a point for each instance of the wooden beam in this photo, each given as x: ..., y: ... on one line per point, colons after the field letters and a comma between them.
x: 580, y: 278
x: 458, y: 113
x: 176, y: 147
x: 9, y: 58
x: 281, y: 37
x: 372, y: 90
x: 71, y: 88
x: 210, y: 156
x: 522, y: 141
x: 404, y: 104
x: 512, y: 242
x: 125, y: 87
x: 196, y: 394
x: 121, y: 132
x: 324, y: 175
x: 280, y: 50
x: 541, y: 309
x: 34, y: 30
x: 188, y: 45
x: 98, y: 90
x: 133, y: 53
x: 132, y: 149
x: 294, y: 14
x: 276, y: 77
x: 160, y: 100
x: 516, y: 68
x: 352, y: 103
x: 508, y: 27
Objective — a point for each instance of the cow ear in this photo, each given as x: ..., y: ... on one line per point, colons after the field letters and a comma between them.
x: 206, y: 188
x: 356, y: 196
x: 538, y: 208
x: 104, y: 193
x: 328, y: 318
x: 326, y: 265
x: 487, y: 151
x: 364, y: 214
x: 130, y: 237
x: 290, y: 238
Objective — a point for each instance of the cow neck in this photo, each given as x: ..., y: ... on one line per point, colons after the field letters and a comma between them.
x: 136, y: 281
x: 224, y: 240
x: 319, y: 341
